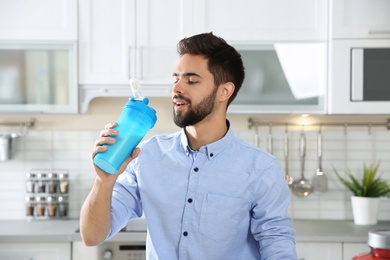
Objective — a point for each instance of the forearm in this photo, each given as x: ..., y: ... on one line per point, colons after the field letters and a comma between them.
x: 95, y: 215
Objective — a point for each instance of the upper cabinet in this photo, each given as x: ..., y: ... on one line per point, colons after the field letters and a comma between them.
x: 262, y: 20
x: 119, y: 40
x: 38, y: 20
x: 38, y: 56
x: 361, y: 19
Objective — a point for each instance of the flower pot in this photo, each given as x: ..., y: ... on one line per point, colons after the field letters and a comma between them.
x: 365, y: 210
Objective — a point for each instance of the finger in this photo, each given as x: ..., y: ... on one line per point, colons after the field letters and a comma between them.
x: 110, y: 125
x: 108, y: 132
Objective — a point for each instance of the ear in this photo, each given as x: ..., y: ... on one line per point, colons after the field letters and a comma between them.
x: 227, y: 90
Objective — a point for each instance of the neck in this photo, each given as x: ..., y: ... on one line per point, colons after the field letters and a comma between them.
x: 206, y: 132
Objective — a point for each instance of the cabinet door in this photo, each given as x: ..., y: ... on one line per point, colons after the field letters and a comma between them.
x: 158, y: 32
x: 361, y: 19
x: 36, y: 251
x: 262, y: 20
x: 319, y: 251
x: 351, y: 250
x: 38, y: 20
x: 106, y: 41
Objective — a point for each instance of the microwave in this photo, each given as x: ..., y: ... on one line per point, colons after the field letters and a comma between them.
x: 360, y: 77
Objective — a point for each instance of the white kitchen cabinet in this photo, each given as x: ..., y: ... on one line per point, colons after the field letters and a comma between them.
x: 353, y: 249
x: 319, y: 251
x: 248, y: 20
x: 119, y: 40
x: 36, y: 251
x: 131, y: 38
x: 38, y: 20
x: 361, y: 19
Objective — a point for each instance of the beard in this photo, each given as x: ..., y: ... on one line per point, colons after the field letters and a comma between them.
x: 195, y: 113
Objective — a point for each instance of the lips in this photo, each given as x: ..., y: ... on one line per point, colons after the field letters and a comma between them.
x: 180, y: 102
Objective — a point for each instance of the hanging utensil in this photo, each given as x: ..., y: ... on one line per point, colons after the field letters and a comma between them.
x: 302, y: 187
x: 269, y: 140
x: 289, y: 179
x: 319, y: 180
x: 257, y: 138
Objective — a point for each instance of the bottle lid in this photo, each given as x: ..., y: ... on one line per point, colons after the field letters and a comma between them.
x: 379, y: 239
x: 142, y: 105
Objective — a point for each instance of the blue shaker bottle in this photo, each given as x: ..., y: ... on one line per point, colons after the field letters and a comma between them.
x: 136, y: 120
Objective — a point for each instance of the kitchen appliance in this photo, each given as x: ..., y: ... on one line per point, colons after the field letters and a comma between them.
x: 379, y: 243
x: 360, y: 77
x: 128, y: 244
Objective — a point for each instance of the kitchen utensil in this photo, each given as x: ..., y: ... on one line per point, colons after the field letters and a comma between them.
x: 257, y: 138
x: 319, y: 180
x: 269, y: 140
x: 7, y: 146
x: 302, y: 187
x: 289, y: 178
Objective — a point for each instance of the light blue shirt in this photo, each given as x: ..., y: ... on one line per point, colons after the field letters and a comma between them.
x: 228, y: 200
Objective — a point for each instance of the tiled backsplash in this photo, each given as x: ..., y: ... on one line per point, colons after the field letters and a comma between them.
x: 71, y: 150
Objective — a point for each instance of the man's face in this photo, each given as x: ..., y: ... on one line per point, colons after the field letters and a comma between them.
x: 193, y: 91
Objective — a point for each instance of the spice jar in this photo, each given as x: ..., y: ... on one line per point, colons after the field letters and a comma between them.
x: 64, y: 182
x: 30, y: 206
x: 379, y: 243
x: 41, y: 206
x: 63, y: 206
x: 51, y: 206
x: 52, y: 183
x: 30, y: 182
x: 41, y: 183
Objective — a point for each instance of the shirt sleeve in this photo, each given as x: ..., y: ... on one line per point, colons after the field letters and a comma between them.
x: 126, y: 203
x: 271, y: 224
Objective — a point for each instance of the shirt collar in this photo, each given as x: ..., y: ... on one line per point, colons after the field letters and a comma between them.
x: 210, y: 149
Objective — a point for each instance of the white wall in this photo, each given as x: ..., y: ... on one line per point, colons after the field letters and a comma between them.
x: 66, y: 141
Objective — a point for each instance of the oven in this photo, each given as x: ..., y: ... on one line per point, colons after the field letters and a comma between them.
x: 128, y: 244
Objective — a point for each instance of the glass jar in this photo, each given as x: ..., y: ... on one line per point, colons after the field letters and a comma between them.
x: 379, y: 243
x: 52, y: 183
x: 30, y: 182
x: 64, y: 182
x: 51, y: 206
x: 41, y: 183
x: 63, y: 206
x: 41, y: 206
x: 30, y: 205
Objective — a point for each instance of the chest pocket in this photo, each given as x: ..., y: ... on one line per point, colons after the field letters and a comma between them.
x: 220, y: 216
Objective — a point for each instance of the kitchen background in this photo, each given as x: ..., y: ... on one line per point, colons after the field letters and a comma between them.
x: 65, y: 141
x: 90, y: 49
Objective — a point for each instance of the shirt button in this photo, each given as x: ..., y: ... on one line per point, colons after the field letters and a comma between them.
x: 196, y: 169
x: 211, y: 154
x: 189, y: 200
x: 185, y: 233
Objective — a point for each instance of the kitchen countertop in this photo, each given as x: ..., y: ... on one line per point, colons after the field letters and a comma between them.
x: 21, y: 231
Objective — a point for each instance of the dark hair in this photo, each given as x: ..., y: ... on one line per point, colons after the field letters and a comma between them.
x: 224, y: 62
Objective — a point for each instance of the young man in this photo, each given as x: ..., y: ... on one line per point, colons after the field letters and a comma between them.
x: 205, y: 193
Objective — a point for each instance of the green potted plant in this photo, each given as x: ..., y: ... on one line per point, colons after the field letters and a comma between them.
x: 366, y: 193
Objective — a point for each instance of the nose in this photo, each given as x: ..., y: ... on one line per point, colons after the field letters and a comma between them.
x: 177, y: 87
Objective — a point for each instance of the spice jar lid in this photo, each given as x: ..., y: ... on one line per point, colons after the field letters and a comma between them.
x: 30, y: 175
x: 41, y: 175
x: 63, y: 199
x: 30, y: 198
x: 40, y: 199
x: 51, y: 199
x: 63, y: 175
x: 52, y: 175
x: 379, y: 238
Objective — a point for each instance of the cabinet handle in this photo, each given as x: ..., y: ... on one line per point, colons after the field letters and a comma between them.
x: 379, y: 32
